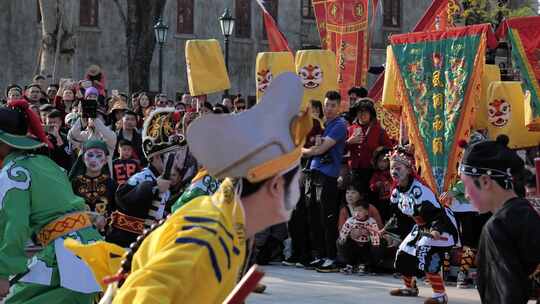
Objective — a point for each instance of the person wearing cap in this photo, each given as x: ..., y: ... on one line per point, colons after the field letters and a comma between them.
x: 44, y: 110
x: 508, y: 253
x: 116, y: 112
x: 95, y: 74
x: 36, y: 201
x: 435, y: 233
x: 197, y: 254
x: 142, y: 200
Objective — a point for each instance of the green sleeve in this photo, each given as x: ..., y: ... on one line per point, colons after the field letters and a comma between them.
x: 14, y: 222
x: 188, y: 196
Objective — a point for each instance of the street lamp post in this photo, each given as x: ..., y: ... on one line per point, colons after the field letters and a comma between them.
x: 160, y: 30
x: 227, y: 26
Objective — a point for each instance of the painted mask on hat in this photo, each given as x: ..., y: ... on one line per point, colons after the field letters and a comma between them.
x: 499, y: 111
x: 311, y: 76
x: 95, y: 159
x: 264, y: 78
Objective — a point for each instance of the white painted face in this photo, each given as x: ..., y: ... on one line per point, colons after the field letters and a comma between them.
x: 264, y: 78
x: 499, y: 112
x: 95, y: 159
x: 311, y: 76
x: 399, y: 172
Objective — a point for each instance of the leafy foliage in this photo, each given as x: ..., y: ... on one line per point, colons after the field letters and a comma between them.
x: 485, y: 11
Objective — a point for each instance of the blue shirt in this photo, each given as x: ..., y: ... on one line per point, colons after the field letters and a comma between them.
x: 337, y: 130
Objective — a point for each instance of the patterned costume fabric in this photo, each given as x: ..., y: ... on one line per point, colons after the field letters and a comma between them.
x: 360, y: 231
x: 202, y: 244
x: 98, y: 192
x: 419, y: 202
x: 36, y: 199
x: 439, y: 77
x: 202, y: 184
x: 136, y: 199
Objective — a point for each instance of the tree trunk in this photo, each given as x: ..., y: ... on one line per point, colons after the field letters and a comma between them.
x: 57, y: 42
x: 140, y: 19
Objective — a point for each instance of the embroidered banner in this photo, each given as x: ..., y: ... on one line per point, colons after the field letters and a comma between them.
x: 439, y: 80
x: 343, y: 27
x: 522, y: 33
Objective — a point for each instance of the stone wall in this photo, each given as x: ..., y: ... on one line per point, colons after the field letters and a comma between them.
x: 105, y: 44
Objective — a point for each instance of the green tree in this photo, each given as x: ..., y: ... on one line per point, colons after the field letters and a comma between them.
x: 485, y: 11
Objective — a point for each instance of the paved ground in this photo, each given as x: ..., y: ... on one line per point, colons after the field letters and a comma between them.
x: 297, y: 286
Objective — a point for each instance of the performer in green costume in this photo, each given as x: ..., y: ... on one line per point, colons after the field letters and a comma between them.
x: 37, y: 202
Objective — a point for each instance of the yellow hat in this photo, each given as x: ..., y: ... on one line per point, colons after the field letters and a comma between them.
x: 269, y: 65
x: 318, y: 71
x: 206, y: 69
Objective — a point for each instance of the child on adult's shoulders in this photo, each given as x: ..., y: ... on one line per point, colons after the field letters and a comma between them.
x: 125, y: 165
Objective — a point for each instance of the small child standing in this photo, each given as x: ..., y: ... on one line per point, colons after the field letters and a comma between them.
x: 125, y: 165
x: 359, y: 241
x: 381, y: 182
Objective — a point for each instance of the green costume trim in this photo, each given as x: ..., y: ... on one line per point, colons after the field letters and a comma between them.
x: 19, y: 141
x: 34, y: 191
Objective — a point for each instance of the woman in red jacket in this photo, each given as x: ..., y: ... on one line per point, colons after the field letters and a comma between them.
x: 365, y: 135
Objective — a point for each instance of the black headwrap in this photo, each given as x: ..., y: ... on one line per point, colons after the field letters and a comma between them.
x: 492, y: 158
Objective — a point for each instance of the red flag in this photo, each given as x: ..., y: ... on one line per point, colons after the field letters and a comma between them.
x: 276, y: 39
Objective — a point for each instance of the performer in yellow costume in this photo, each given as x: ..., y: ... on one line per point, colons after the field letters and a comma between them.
x: 197, y: 255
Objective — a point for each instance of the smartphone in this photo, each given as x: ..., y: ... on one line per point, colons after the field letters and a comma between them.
x: 89, y: 108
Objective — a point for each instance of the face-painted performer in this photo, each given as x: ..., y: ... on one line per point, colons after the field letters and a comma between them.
x: 141, y: 201
x: 434, y: 234
x: 197, y: 255
x: 510, y: 241
x: 90, y: 178
x: 36, y: 199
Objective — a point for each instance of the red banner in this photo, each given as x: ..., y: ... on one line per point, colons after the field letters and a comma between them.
x: 343, y: 26
x: 319, y: 10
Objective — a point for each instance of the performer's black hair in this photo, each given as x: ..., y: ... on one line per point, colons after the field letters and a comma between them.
x: 249, y: 188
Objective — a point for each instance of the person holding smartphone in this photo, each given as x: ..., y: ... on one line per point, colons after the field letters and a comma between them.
x: 91, y: 126
x: 62, y: 153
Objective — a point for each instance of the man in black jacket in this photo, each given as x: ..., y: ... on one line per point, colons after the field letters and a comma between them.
x: 509, y: 250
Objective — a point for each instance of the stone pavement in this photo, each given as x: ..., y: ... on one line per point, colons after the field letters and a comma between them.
x: 297, y: 286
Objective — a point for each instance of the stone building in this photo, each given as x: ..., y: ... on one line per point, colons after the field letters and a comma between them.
x: 100, y: 37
